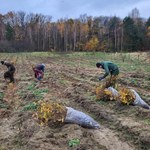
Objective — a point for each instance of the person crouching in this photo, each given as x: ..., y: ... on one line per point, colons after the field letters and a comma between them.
x: 9, y: 74
x: 39, y: 71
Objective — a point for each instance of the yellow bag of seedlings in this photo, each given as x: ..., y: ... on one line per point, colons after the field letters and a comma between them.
x: 51, y: 113
x: 126, y: 96
x: 104, y: 94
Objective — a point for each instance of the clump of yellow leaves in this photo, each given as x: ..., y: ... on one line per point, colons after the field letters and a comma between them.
x: 126, y: 96
x: 104, y: 94
x: 51, y: 113
x: 110, y: 82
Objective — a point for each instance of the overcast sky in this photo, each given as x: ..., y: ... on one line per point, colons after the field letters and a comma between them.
x: 74, y: 8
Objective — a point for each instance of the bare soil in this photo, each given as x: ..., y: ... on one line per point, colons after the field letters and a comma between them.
x: 72, y: 84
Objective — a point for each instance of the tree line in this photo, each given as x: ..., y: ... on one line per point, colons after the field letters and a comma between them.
x: 36, y: 32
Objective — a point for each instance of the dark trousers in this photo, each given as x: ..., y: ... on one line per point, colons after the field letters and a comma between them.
x: 10, y: 76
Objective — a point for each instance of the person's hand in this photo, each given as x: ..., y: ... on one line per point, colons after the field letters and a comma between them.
x: 2, y: 62
x: 100, y: 78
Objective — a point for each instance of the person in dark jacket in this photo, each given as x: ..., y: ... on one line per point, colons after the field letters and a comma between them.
x: 110, y: 69
x: 39, y: 71
x: 9, y: 74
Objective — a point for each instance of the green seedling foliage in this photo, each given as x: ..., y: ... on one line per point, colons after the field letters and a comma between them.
x: 147, y: 121
x: 3, y: 105
x: 39, y: 93
x: 31, y: 86
x: 1, y: 95
x: 30, y: 106
x: 74, y: 142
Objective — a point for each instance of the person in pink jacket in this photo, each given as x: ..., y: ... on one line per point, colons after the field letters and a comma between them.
x: 39, y: 71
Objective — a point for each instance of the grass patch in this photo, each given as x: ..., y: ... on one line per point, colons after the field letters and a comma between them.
x: 1, y: 95
x: 33, y: 91
x: 31, y: 106
x: 3, y: 105
x: 2, y: 148
x: 73, y: 142
x: 31, y: 86
x: 147, y: 121
x: 63, y: 82
x: 39, y: 93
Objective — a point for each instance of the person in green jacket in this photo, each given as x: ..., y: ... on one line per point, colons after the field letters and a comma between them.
x: 110, y: 69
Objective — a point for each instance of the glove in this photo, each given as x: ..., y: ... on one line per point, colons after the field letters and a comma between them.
x: 2, y: 62
x: 100, y: 78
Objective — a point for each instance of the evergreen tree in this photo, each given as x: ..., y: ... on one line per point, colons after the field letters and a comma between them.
x: 9, y: 32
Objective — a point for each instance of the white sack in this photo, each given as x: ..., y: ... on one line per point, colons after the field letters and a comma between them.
x: 113, y: 91
x: 139, y: 102
x: 80, y: 118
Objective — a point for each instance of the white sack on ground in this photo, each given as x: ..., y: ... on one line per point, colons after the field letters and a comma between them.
x: 138, y: 101
x: 113, y: 91
x: 80, y: 118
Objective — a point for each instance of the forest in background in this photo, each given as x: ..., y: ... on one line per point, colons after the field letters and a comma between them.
x: 36, y: 32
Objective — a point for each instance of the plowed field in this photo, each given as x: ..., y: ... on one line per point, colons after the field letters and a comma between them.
x: 71, y: 79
